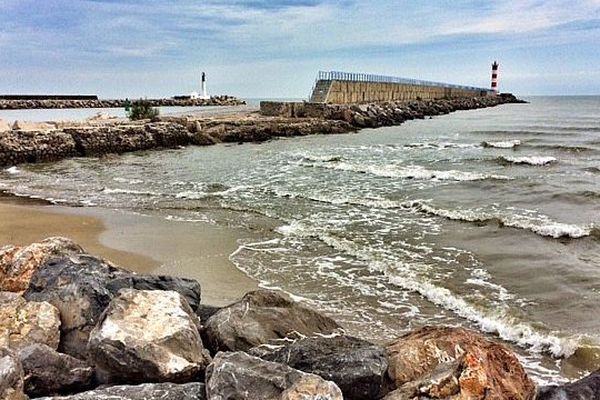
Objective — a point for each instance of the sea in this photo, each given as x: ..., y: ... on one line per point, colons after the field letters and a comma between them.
x: 487, y: 219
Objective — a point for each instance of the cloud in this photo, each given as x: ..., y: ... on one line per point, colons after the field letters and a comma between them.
x: 438, y: 40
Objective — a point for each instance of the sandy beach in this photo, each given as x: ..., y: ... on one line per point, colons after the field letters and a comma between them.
x: 192, y: 250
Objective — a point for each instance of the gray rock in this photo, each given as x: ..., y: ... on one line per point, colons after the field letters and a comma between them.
x: 148, y: 336
x: 205, y: 311
x: 81, y: 287
x: 48, y: 372
x: 188, y: 288
x: 147, y: 391
x: 261, y: 317
x: 241, y: 376
x: 77, y: 286
x: 358, y: 367
x: 11, y: 376
x: 587, y: 388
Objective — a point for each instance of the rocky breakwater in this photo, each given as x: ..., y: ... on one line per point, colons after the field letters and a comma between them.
x: 223, y: 100
x: 376, y: 115
x: 52, y: 141
x: 74, y: 326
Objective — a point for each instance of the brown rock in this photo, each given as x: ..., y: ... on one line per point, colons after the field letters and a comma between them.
x: 17, y: 264
x: 32, y: 126
x: 480, y: 368
x: 4, y: 126
x: 23, y: 323
x: 312, y: 387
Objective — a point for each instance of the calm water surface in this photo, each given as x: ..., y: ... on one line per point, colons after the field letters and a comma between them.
x: 488, y: 219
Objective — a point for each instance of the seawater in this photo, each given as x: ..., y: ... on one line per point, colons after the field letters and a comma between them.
x: 488, y: 219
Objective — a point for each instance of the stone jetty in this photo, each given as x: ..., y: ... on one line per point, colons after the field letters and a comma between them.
x: 75, y: 326
x: 223, y: 100
x: 50, y: 141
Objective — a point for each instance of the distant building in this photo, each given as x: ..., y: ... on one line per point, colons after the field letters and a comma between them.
x: 195, y: 95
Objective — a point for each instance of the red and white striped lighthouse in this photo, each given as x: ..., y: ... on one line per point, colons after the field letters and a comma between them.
x: 495, y: 77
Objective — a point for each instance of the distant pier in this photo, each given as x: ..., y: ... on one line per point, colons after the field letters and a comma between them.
x: 335, y: 87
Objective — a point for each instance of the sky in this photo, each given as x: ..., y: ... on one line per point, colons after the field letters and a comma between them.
x: 274, y: 49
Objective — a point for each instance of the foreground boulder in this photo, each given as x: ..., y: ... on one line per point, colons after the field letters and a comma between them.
x: 442, y: 362
x: 148, y: 336
x: 241, y: 376
x: 77, y: 286
x: 358, y: 367
x: 48, y: 372
x: 23, y: 323
x: 18, y: 263
x: 81, y: 287
x: 261, y: 317
x: 11, y: 376
x: 587, y: 388
x: 147, y: 391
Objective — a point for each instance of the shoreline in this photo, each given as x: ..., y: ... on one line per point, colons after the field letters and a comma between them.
x: 199, y: 251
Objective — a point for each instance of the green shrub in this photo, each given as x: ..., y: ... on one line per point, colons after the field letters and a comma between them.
x: 142, y: 109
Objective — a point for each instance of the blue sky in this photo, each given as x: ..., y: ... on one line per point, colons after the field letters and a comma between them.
x: 260, y: 48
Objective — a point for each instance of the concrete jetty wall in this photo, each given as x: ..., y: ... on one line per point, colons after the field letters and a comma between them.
x: 356, y: 92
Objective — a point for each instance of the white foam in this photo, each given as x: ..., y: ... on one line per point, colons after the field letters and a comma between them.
x: 538, y: 224
x: 12, y: 170
x: 509, y: 144
x: 129, y: 181
x: 410, y: 172
x: 128, y: 191
x: 197, y: 195
x: 498, y: 322
x: 530, y: 160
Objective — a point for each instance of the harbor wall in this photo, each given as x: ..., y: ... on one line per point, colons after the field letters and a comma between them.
x: 356, y: 92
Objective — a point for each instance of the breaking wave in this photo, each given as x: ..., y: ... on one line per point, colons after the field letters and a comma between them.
x: 12, y: 170
x: 508, y: 144
x: 540, y: 225
x: 405, y: 276
x: 531, y: 160
x: 416, y: 172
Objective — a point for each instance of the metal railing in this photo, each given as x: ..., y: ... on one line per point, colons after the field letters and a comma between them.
x: 360, y: 77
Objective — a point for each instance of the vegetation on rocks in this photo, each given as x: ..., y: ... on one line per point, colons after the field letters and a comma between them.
x: 142, y: 109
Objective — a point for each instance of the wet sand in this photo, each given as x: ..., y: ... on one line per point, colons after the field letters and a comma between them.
x: 139, y: 243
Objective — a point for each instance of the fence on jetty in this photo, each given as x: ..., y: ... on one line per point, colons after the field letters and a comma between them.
x: 350, y: 87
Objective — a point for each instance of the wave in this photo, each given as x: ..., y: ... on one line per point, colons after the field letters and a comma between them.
x: 593, y: 170
x: 129, y: 181
x: 405, y: 276
x: 508, y: 144
x: 559, y: 147
x: 12, y: 170
x: 443, y: 145
x: 541, y: 225
x: 578, y: 197
x: 416, y: 172
x: 211, y: 191
x: 129, y: 191
x: 325, y: 159
x: 528, y: 160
